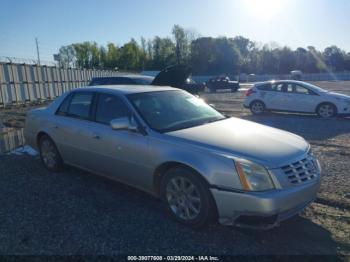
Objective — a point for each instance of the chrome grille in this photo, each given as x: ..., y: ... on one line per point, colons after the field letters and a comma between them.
x: 301, y: 171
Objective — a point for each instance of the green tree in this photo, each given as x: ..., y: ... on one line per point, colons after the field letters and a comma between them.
x: 286, y: 60
x: 67, y: 56
x: 334, y: 58
x: 163, y: 53
x: 182, y: 45
x: 214, y: 56
x: 143, y: 53
x: 112, y: 56
x: 206, y: 55
x: 87, y: 54
x: 103, y: 57
x: 202, y: 55
x: 94, y: 55
x: 301, y: 57
x: 129, y: 58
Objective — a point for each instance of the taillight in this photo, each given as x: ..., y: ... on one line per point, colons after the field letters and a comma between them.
x: 250, y: 92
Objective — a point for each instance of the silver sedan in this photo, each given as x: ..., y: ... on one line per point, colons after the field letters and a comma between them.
x: 202, y: 164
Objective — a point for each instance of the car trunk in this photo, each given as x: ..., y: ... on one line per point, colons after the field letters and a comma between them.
x: 174, y: 76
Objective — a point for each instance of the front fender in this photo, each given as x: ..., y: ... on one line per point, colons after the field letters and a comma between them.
x: 216, y: 169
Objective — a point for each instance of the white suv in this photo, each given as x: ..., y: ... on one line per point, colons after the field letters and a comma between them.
x: 295, y: 96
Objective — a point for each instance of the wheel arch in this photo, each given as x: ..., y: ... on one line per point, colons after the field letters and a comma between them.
x: 164, y: 167
x: 325, y: 103
x: 257, y: 100
x: 45, y: 133
x: 40, y: 135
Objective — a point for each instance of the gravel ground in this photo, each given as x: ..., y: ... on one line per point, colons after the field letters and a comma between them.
x: 75, y: 212
x: 79, y: 213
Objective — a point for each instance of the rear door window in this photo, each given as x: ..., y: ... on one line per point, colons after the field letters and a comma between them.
x: 279, y: 87
x: 63, y: 109
x: 80, y: 105
x: 265, y: 87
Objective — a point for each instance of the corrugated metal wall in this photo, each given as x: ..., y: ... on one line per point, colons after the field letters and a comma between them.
x: 22, y: 83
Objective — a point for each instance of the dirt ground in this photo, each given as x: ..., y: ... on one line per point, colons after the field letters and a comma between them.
x: 330, y: 140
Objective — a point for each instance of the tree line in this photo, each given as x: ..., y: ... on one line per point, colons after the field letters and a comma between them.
x: 205, y: 55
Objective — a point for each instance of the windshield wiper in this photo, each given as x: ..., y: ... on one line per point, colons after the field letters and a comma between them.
x: 179, y: 127
x: 214, y: 120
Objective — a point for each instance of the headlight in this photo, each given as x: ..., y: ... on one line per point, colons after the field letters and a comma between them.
x: 315, y: 160
x: 253, y: 177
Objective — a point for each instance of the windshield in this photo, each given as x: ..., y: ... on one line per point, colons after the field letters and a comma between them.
x: 167, y: 111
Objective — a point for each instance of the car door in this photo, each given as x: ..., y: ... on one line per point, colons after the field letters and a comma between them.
x: 274, y: 97
x: 300, y: 99
x: 71, y: 128
x: 119, y: 154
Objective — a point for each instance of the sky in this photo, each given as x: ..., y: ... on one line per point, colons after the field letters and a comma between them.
x: 294, y: 23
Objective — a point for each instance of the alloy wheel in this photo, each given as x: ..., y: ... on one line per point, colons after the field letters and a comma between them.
x: 183, y: 198
x: 258, y: 108
x: 48, y: 153
x: 326, y: 111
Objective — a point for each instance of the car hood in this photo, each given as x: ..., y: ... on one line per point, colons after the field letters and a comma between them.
x: 174, y: 76
x: 241, y: 138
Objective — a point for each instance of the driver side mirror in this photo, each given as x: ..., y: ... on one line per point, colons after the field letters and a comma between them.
x: 124, y: 123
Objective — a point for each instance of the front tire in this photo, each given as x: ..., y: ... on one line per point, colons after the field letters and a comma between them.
x: 49, y: 154
x: 187, y: 198
x: 326, y: 110
x: 257, y: 107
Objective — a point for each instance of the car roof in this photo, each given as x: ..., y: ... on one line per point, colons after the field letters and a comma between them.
x: 279, y: 81
x: 124, y: 76
x: 126, y: 89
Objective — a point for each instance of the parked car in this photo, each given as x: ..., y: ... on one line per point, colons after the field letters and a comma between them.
x: 219, y: 83
x: 296, y: 75
x: 295, y: 96
x: 171, y: 144
x: 193, y: 87
x: 121, y: 80
x: 189, y: 85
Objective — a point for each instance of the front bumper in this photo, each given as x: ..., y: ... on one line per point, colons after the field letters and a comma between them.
x: 263, y: 209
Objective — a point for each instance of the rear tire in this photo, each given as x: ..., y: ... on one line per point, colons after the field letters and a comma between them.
x: 257, y: 107
x: 326, y: 110
x: 49, y: 154
x: 187, y: 198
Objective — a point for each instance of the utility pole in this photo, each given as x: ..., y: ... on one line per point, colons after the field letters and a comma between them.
x: 37, y: 50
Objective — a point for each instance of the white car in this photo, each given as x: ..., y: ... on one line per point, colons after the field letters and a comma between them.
x: 295, y: 96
